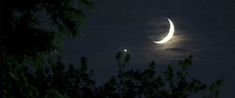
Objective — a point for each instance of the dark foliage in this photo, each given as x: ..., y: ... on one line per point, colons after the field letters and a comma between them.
x: 55, y: 81
x: 33, y: 28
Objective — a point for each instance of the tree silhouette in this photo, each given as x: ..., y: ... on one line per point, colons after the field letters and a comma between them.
x: 31, y: 32
x: 56, y: 81
x: 35, y: 28
x: 148, y: 84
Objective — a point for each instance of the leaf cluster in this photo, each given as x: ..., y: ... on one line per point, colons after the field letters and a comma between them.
x: 55, y: 80
x: 36, y: 28
x: 49, y: 82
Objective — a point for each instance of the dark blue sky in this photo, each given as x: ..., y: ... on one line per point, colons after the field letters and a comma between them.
x: 204, y: 28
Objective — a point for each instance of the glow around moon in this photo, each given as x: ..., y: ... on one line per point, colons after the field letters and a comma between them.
x: 169, y: 35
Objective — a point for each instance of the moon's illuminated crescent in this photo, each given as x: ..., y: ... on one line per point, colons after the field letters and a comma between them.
x: 169, y: 35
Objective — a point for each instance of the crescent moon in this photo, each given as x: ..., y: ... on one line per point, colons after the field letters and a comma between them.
x: 169, y: 35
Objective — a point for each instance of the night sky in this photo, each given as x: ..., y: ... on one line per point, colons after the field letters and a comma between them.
x: 204, y: 29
